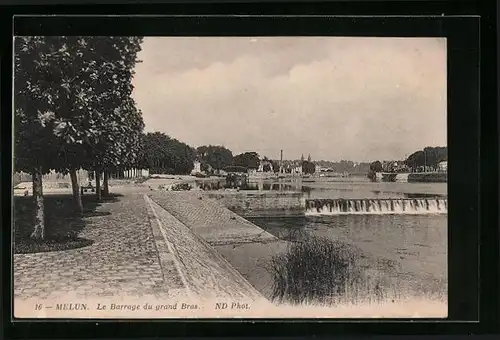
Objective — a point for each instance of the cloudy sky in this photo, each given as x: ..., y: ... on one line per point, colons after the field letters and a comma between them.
x: 334, y: 98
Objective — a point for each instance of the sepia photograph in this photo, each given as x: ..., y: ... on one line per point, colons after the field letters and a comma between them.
x: 229, y: 177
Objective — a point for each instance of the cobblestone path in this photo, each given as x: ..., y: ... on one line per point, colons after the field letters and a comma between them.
x: 123, y: 260
x: 205, y: 272
x: 209, y: 219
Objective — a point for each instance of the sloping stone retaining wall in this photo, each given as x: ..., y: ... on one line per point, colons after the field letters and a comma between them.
x: 254, y: 204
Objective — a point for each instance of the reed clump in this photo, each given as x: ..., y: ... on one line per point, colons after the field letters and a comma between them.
x: 319, y: 270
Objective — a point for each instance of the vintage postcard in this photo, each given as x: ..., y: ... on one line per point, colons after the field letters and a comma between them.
x: 229, y: 177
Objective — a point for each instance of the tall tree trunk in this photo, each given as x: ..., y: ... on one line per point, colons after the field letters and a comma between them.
x: 77, y: 197
x: 39, y: 222
x: 105, y: 183
x: 98, y: 185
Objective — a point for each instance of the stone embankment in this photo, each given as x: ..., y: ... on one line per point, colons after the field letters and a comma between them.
x: 203, y: 271
x: 261, y: 203
x: 243, y: 245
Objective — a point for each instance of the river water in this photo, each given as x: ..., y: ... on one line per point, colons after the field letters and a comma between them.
x: 414, y: 242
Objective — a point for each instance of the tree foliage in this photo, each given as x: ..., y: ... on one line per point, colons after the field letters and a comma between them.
x: 218, y: 157
x: 430, y: 156
x: 276, y: 166
x: 205, y: 167
x: 308, y: 167
x: 376, y: 166
x: 35, y: 145
x: 250, y: 160
x: 162, y: 154
x: 83, y: 88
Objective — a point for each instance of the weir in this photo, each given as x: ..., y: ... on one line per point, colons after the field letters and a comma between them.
x: 377, y: 206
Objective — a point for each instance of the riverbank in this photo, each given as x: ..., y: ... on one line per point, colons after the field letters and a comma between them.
x: 428, y: 177
x: 413, y: 177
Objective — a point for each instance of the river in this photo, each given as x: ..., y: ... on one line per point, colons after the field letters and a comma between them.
x: 413, y: 243
x: 400, y: 228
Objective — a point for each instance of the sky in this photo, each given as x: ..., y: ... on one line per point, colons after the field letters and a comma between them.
x: 334, y: 98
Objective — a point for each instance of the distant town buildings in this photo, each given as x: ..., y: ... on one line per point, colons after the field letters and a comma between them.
x: 265, y: 166
x: 201, y: 168
x: 196, y: 167
x: 395, y: 166
x: 443, y: 166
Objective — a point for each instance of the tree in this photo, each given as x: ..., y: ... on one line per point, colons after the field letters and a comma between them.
x: 116, y: 122
x: 376, y: 166
x: 205, y: 167
x: 218, y: 157
x: 249, y: 160
x: 35, y: 146
x: 276, y: 166
x: 59, y: 84
x: 308, y: 167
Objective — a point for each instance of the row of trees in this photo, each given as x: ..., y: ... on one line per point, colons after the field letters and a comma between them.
x: 428, y: 157
x: 73, y: 109
x: 220, y: 158
x: 161, y: 154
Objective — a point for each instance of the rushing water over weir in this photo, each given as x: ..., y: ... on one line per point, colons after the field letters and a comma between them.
x: 376, y: 206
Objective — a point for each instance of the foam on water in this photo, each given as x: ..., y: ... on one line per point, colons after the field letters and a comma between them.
x: 376, y: 206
